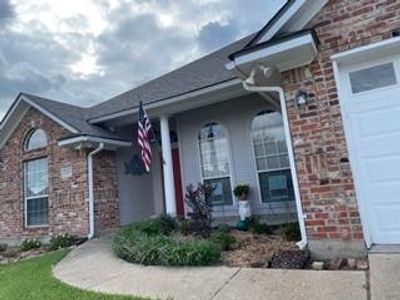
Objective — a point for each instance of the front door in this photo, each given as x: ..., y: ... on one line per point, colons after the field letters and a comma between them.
x: 371, y: 106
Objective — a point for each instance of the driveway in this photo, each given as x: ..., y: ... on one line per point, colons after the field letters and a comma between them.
x: 93, y: 266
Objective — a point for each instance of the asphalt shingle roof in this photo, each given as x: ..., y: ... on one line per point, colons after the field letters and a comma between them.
x: 74, y: 116
x: 204, y: 72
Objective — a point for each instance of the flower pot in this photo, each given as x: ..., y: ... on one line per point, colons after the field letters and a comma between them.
x: 244, y: 210
x: 243, y: 197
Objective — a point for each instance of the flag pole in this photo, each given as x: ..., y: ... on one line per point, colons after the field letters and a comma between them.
x: 154, y: 136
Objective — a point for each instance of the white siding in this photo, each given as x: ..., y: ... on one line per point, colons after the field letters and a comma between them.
x: 236, y: 115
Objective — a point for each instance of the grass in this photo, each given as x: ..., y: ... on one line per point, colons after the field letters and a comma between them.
x: 32, y: 279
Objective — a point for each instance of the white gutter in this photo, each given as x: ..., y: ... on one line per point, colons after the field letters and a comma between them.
x: 303, y: 243
x: 83, y: 139
x: 91, y: 190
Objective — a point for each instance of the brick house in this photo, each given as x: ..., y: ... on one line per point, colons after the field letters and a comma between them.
x: 305, y: 111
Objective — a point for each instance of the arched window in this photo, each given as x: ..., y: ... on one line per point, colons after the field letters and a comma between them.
x: 36, y: 139
x: 214, y: 162
x: 272, y: 159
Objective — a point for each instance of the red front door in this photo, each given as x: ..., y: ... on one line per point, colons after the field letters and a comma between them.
x: 180, y: 210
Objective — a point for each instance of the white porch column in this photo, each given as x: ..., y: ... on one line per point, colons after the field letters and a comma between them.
x: 169, y: 184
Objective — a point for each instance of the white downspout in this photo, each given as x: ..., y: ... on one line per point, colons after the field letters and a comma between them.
x: 91, y: 189
x: 303, y: 243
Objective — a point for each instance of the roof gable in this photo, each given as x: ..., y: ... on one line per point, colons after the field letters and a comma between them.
x: 73, y: 118
x: 294, y: 15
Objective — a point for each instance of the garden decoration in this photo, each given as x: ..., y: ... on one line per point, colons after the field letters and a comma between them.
x: 241, y: 191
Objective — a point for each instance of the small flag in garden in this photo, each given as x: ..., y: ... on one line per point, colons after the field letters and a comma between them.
x: 144, y: 137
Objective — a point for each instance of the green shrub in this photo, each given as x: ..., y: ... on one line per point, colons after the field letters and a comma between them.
x: 61, y: 241
x: 225, y: 228
x: 223, y: 240
x: 140, y: 247
x: 163, y: 224
x: 291, y: 232
x: 255, y: 226
x: 29, y: 244
x: 185, y: 227
x: 3, y: 247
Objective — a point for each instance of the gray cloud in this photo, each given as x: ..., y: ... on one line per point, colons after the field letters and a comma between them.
x: 133, y: 48
x: 7, y: 12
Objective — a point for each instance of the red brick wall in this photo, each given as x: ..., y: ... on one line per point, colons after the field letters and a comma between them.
x: 67, y: 205
x: 106, y: 191
x: 325, y: 178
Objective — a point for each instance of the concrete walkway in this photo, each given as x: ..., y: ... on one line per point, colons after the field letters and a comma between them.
x: 385, y: 276
x: 93, y: 266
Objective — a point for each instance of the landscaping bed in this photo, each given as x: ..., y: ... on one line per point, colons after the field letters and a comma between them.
x: 32, y: 247
x: 168, y: 242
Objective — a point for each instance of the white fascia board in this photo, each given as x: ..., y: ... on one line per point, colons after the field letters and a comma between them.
x: 158, y: 104
x: 308, y: 10
x: 282, y: 21
x: 352, y: 55
x: 91, y: 139
x: 275, y: 49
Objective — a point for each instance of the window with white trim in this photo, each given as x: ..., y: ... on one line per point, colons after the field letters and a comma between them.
x: 372, y: 78
x: 36, y: 192
x: 36, y: 139
x: 214, y: 162
x: 272, y: 159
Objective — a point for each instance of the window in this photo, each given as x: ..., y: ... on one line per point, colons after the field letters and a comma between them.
x: 272, y: 159
x: 36, y: 192
x: 36, y: 139
x: 372, y: 78
x: 214, y: 162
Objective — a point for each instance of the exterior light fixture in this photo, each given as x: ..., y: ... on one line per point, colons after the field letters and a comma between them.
x: 301, y: 98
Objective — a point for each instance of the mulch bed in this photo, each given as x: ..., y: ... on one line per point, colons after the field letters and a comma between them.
x: 263, y: 251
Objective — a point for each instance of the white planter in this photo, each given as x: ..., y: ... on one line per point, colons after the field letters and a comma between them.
x: 244, y: 210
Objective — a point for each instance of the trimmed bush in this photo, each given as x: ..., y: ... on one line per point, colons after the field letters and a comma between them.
x: 163, y: 224
x: 255, y: 226
x: 223, y: 240
x: 61, y: 241
x: 225, y: 228
x: 29, y: 244
x: 136, y: 246
x: 291, y: 232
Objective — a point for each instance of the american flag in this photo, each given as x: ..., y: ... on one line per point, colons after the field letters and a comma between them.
x: 144, y: 136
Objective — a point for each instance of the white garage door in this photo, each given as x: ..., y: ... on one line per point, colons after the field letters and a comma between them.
x: 371, y: 106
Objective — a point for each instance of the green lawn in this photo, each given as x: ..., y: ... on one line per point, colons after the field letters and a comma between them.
x: 32, y: 279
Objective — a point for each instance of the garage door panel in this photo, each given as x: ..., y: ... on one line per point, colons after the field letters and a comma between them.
x: 382, y: 170
x: 387, y: 218
x: 373, y: 133
x: 374, y: 123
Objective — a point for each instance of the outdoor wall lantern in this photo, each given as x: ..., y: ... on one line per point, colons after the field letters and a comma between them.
x: 301, y: 98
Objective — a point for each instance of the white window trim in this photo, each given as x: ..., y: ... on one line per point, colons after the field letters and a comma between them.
x: 218, y: 208
x: 32, y: 198
x: 29, y: 136
x: 271, y: 205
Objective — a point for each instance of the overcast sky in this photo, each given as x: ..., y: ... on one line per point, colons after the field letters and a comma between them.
x: 86, y: 51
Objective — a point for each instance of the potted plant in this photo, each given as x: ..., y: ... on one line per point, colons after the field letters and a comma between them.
x: 241, y: 191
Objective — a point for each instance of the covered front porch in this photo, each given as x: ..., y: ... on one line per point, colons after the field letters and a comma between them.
x: 224, y: 137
